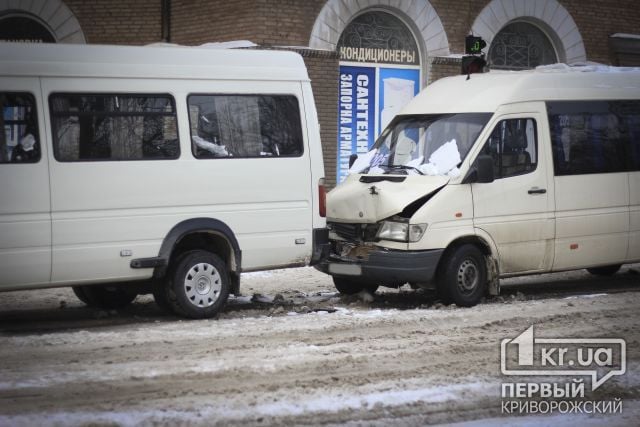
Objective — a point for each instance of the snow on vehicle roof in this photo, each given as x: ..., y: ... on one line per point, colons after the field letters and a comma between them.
x: 487, y: 91
x: 234, y: 44
x: 158, y: 61
x: 625, y: 36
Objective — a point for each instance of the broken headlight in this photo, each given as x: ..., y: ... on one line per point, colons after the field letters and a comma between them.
x: 401, y: 231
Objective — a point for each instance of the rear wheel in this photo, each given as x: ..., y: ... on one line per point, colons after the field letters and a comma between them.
x: 352, y: 287
x: 198, y: 285
x: 79, y: 291
x: 462, y: 277
x: 607, y: 270
x: 105, y: 296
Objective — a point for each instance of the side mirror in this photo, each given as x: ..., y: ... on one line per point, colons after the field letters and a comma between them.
x: 484, y: 166
x: 352, y: 159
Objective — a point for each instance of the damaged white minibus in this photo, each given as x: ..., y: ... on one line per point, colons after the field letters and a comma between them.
x: 127, y: 170
x: 502, y: 174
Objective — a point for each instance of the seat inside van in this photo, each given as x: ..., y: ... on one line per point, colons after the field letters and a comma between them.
x: 514, y: 158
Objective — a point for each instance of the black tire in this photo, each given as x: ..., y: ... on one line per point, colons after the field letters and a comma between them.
x: 462, y: 276
x: 105, y: 296
x: 607, y: 270
x: 198, y: 285
x: 352, y: 287
x: 79, y: 291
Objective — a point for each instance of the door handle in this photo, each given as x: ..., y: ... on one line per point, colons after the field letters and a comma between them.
x: 536, y: 190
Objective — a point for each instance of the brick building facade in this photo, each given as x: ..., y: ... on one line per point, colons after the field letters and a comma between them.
x: 604, y: 31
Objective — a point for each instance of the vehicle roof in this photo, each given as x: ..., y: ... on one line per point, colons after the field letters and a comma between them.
x: 75, y: 60
x: 487, y: 91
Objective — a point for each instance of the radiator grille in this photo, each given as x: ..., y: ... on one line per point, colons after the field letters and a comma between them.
x: 355, y: 232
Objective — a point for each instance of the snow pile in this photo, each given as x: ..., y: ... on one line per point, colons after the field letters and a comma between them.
x: 625, y: 36
x: 586, y: 296
x: 583, y: 67
x: 234, y: 44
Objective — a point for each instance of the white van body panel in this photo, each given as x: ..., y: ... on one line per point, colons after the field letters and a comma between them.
x: 314, y: 146
x: 634, y: 217
x: 521, y: 224
x: 488, y: 92
x: 533, y: 222
x: 25, y: 219
x: 157, y: 62
x: 94, y: 217
x: 592, y: 220
x: 88, y: 210
x: 449, y: 215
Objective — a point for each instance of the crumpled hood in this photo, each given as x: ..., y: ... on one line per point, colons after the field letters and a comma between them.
x: 361, y: 202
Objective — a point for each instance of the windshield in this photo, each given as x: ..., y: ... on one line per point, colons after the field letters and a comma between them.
x: 425, y: 144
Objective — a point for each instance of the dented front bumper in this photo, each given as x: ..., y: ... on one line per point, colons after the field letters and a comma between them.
x: 382, y: 266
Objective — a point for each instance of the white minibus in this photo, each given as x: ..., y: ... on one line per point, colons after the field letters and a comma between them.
x: 496, y: 175
x: 164, y: 170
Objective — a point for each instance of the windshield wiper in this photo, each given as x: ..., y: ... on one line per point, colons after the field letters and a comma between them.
x: 404, y: 167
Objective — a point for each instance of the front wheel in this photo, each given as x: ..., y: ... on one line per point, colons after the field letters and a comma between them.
x: 462, y: 277
x: 352, y: 287
x: 198, y: 285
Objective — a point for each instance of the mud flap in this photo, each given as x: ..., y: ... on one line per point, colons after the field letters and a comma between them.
x: 493, y: 276
x: 235, y: 283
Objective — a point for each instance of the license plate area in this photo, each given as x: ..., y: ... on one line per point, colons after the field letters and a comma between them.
x: 345, y: 269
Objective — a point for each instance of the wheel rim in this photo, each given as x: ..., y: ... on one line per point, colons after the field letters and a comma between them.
x: 202, y: 285
x: 468, y: 277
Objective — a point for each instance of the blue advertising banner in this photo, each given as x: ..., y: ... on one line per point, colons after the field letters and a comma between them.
x: 356, y: 114
x: 397, y: 88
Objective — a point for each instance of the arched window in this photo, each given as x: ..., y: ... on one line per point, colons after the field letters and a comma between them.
x: 39, y: 21
x: 380, y: 30
x: 521, y: 46
x: 23, y: 28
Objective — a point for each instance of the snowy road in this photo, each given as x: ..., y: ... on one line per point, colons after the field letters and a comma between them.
x: 299, y: 354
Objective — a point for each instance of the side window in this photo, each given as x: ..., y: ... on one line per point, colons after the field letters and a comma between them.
x: 629, y: 113
x: 89, y: 127
x: 594, y: 136
x: 513, y: 147
x: 19, y: 141
x: 244, y: 126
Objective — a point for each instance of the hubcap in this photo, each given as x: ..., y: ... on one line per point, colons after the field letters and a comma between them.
x: 467, y: 277
x: 202, y: 285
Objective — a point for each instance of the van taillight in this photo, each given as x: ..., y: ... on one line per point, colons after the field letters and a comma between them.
x: 322, y: 198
